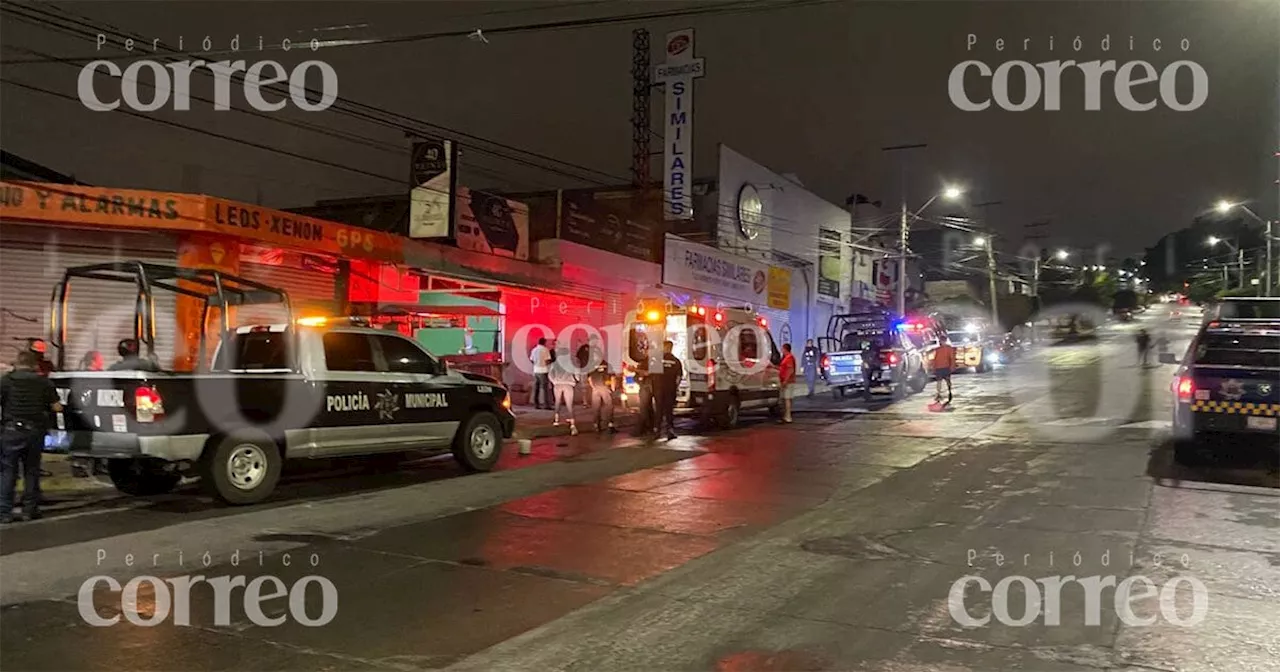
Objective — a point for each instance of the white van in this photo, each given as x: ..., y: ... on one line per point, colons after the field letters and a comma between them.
x: 703, y: 338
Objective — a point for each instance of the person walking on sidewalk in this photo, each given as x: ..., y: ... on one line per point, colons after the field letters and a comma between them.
x: 1144, y: 346
x: 541, y: 359
x: 28, y: 401
x: 786, y: 378
x: 563, y: 380
x: 599, y: 391
x: 668, y: 389
x: 811, y: 360
x: 944, y: 362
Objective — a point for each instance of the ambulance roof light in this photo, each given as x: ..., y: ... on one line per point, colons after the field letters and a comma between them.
x: 653, y: 315
x: 719, y: 316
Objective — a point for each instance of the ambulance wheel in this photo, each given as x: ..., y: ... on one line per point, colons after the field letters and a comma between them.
x: 141, y: 478
x: 729, y: 419
x: 241, y: 468
x: 478, y: 443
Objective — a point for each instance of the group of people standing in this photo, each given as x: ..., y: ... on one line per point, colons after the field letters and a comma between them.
x: 28, y: 402
x: 556, y: 378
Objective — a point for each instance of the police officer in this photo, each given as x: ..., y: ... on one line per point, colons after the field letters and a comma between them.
x: 131, y: 359
x: 667, y: 388
x: 871, y: 365
x: 811, y: 363
x: 44, y: 367
x: 27, y: 403
x: 600, y: 390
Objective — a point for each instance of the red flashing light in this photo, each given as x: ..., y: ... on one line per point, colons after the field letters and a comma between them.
x: 711, y: 375
x: 764, y: 322
x: 702, y: 311
x: 718, y: 317
x: 826, y: 361
x: 893, y: 358
x: 1186, y: 387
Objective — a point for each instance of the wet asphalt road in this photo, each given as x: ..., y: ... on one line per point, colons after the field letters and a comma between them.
x: 829, y: 544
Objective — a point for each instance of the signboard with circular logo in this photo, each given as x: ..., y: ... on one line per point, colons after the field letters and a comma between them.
x: 750, y: 211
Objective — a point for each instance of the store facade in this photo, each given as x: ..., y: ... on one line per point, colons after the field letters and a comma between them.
x: 465, y: 305
x: 696, y: 274
x: 771, y: 217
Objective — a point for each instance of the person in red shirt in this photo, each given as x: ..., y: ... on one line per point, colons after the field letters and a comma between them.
x: 944, y: 362
x: 786, y: 377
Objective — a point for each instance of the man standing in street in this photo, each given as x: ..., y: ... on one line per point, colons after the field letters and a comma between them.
x: 812, y: 360
x: 27, y: 404
x: 944, y: 362
x: 541, y: 359
x: 598, y: 390
x: 786, y: 378
x: 669, y: 388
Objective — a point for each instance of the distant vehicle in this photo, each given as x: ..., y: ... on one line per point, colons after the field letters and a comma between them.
x: 305, y: 388
x: 1228, y: 383
x: 903, y: 367
x: 975, y: 348
x: 704, y: 338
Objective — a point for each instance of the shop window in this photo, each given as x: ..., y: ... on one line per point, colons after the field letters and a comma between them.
x: 403, y: 356
x: 348, y: 352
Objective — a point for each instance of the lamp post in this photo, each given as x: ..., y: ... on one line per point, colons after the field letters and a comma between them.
x: 989, y: 243
x: 1225, y: 207
x: 1213, y: 241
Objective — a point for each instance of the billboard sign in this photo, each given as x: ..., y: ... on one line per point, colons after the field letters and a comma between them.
x: 491, y: 224
x: 678, y: 73
x: 431, y: 198
x: 712, y: 271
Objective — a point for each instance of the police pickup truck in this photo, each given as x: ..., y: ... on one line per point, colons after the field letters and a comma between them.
x: 305, y: 388
x: 903, y: 366
x: 1228, y: 383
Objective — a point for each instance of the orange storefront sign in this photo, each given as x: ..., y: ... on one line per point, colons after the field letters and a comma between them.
x: 138, y: 209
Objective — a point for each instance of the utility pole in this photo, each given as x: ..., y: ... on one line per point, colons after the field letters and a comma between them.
x: 991, y: 276
x: 903, y: 231
x: 1240, y: 258
x: 1270, y: 264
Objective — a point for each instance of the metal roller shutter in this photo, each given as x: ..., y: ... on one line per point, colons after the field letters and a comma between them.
x: 304, y: 287
x: 100, y: 314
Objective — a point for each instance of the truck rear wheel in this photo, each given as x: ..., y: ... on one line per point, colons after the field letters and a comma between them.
x: 478, y: 443
x: 141, y: 478
x: 241, y: 468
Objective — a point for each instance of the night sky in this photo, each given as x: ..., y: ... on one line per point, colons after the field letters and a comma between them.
x: 813, y: 89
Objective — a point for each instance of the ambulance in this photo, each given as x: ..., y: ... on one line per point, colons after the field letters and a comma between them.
x: 706, y: 339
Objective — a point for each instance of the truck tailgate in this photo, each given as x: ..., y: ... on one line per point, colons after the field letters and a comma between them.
x: 844, y: 366
x: 1236, y: 398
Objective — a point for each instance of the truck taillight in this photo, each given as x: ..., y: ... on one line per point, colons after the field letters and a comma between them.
x: 892, y: 358
x: 1186, y: 388
x: 826, y: 361
x: 147, y: 405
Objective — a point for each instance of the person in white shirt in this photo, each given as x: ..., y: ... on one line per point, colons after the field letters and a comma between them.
x: 541, y: 358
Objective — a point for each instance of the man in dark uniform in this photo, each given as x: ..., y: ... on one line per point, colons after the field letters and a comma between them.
x: 27, y: 403
x: 131, y: 359
x: 646, y: 381
x: 44, y: 367
x: 871, y: 368
x: 667, y: 388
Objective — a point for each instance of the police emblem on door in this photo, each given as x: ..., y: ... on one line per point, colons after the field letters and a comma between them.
x: 387, y: 405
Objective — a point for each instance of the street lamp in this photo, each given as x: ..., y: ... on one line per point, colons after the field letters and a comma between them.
x: 1225, y: 206
x: 1213, y: 242
x: 950, y: 193
x: 980, y: 242
x: 1062, y: 255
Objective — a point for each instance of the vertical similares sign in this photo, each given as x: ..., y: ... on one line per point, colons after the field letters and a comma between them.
x: 431, y: 198
x: 678, y: 74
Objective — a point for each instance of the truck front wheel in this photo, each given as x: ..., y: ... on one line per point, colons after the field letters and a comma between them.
x: 141, y: 478
x: 478, y: 443
x: 241, y: 468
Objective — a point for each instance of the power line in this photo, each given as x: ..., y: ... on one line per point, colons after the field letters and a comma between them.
x: 729, y: 7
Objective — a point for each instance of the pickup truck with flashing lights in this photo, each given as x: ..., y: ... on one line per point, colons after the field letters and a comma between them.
x: 271, y: 393
x: 903, y: 367
x: 1228, y: 383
